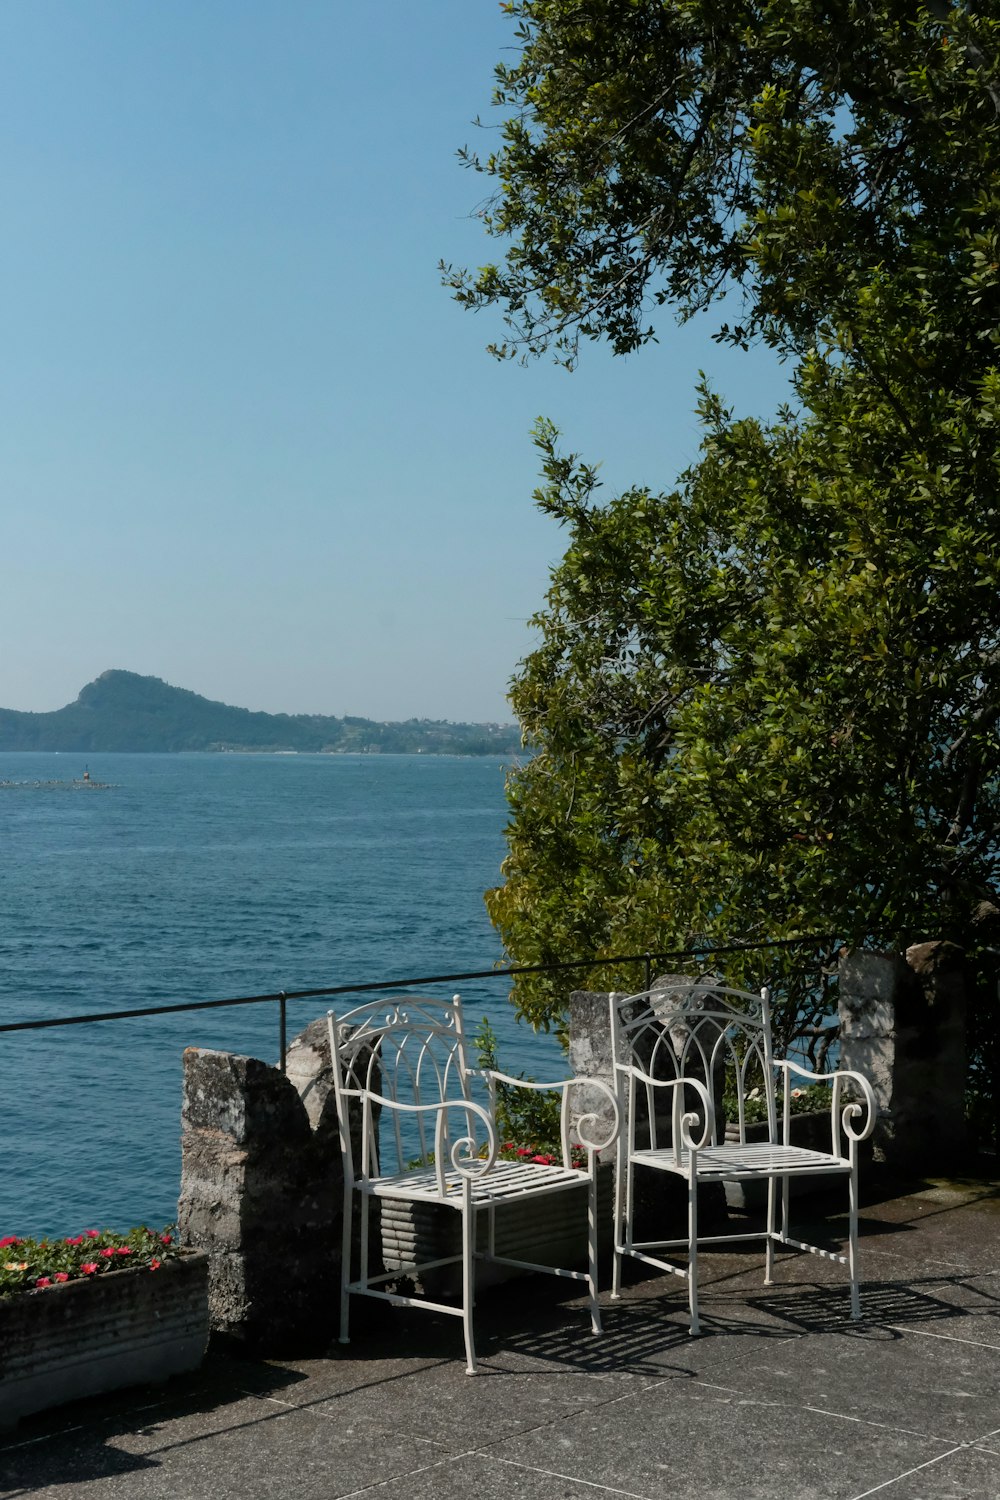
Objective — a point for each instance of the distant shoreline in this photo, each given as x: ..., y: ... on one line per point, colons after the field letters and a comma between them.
x: 124, y: 713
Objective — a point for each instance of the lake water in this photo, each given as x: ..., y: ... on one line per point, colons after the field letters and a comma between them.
x: 198, y: 877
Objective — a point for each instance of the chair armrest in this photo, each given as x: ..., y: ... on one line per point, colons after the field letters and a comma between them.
x: 523, y: 1083
x: 684, y: 1121
x: 583, y: 1122
x: 469, y: 1165
x: 864, y: 1108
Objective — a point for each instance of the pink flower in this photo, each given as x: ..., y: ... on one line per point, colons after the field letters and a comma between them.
x: 43, y: 1281
x: 106, y: 1253
x: 154, y: 1265
x: 124, y: 1250
x: 524, y: 1150
x: 62, y: 1276
x: 543, y: 1161
x: 165, y: 1239
x: 11, y: 1239
x: 88, y: 1268
x: 91, y: 1235
x: 74, y: 1240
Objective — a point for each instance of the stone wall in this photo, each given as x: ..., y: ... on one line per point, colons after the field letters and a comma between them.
x: 261, y: 1191
x: 902, y: 1024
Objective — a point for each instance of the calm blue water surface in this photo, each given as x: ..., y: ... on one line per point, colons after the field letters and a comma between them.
x: 201, y: 877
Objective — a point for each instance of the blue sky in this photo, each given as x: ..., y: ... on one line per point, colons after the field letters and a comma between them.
x: 250, y: 445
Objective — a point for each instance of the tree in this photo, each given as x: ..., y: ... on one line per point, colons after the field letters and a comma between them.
x: 667, y: 151
x: 766, y: 703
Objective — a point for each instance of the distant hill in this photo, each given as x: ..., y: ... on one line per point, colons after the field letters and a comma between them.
x: 124, y: 711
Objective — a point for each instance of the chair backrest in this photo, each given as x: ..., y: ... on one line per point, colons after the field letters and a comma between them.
x: 408, y: 1050
x: 694, y: 1029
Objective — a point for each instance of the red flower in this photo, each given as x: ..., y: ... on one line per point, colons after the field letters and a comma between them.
x: 91, y: 1235
x: 543, y: 1161
x: 165, y: 1239
x: 154, y: 1265
x: 78, y: 1240
x: 62, y: 1276
x: 524, y: 1150
x: 88, y: 1268
x: 11, y: 1239
x: 124, y: 1250
x: 43, y: 1281
x: 106, y: 1253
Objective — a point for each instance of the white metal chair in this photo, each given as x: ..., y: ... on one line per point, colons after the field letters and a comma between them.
x: 679, y: 1050
x: 411, y: 1130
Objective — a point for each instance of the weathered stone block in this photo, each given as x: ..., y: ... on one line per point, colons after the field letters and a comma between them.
x: 261, y: 1191
x: 902, y: 1024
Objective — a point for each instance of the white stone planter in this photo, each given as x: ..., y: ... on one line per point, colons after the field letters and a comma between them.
x: 547, y: 1231
x: 89, y: 1337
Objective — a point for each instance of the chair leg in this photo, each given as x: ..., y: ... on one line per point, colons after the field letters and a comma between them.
x: 852, y: 1240
x: 693, y: 1252
x: 622, y: 1201
x: 345, y: 1263
x: 468, y: 1277
x: 595, y: 1306
x: 769, y: 1252
x: 786, y: 1193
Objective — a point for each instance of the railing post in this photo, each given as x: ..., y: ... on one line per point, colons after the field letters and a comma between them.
x: 648, y: 963
x: 283, y: 1025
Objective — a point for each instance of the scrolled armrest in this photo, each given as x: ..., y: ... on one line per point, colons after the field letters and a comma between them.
x: 584, y: 1122
x: 471, y: 1163
x: 864, y: 1109
x: 685, y: 1120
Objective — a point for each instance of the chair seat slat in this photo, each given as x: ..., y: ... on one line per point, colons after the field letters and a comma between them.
x: 504, y: 1182
x: 755, y: 1159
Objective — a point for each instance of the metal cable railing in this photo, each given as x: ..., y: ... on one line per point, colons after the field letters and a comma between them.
x: 281, y: 998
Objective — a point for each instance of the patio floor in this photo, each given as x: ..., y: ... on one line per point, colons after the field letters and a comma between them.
x: 781, y: 1396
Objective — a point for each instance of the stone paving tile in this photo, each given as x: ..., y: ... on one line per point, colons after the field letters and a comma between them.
x: 248, y: 1448
x: 928, y: 1231
x: 490, y: 1478
x: 951, y: 1392
x: 494, y: 1402
x: 712, y: 1443
x: 968, y: 1474
x: 301, y: 1382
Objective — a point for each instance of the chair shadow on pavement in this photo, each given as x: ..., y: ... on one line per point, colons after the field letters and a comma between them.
x: 887, y: 1307
x: 639, y: 1339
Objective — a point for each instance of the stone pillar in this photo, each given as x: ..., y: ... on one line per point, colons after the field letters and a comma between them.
x: 590, y: 1050
x: 261, y: 1191
x: 902, y: 1024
